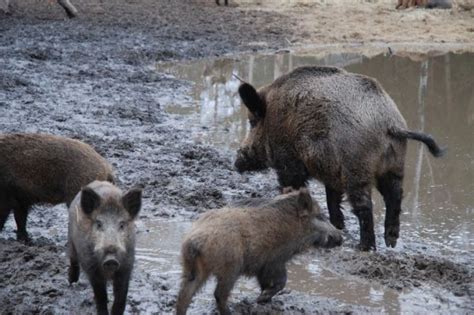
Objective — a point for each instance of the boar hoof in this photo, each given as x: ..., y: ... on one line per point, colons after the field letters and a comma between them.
x: 24, y: 238
x: 391, y: 236
x: 264, y: 298
x: 338, y: 224
x: 225, y: 311
x: 73, y: 274
x: 366, y: 247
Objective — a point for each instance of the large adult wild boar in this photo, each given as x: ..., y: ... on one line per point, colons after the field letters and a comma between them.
x: 340, y: 128
x: 41, y: 168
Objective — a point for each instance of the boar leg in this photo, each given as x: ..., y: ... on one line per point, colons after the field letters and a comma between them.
x: 121, y: 281
x: 360, y: 199
x: 272, y: 279
x: 21, y: 215
x: 71, y: 11
x: 402, y: 4
x: 99, y: 285
x: 189, y: 286
x: 390, y: 186
x: 333, y: 199
x: 74, y: 264
x: 222, y: 292
x: 4, y: 213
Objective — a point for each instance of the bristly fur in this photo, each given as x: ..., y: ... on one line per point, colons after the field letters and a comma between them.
x: 93, y: 246
x: 51, y: 170
x: 256, y: 239
x: 338, y: 127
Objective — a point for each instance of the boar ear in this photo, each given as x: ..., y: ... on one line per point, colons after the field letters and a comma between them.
x: 90, y: 200
x: 305, y: 203
x: 252, y: 100
x: 132, y: 201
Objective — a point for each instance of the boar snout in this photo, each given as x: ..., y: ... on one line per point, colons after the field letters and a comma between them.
x: 240, y: 161
x: 110, y: 263
x: 328, y: 236
x: 111, y: 258
x: 247, y: 161
x: 334, y: 239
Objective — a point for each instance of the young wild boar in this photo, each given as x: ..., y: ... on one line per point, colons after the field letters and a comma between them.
x: 255, y: 238
x: 40, y: 168
x: 342, y: 129
x: 101, y: 240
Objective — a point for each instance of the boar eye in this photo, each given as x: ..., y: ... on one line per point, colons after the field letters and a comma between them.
x: 122, y: 225
x: 253, y: 122
x: 99, y: 224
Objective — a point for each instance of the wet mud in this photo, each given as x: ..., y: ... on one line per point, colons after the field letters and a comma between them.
x: 95, y: 79
x: 401, y: 270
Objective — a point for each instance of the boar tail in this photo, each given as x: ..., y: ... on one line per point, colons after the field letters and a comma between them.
x: 111, y: 179
x: 427, y: 139
x: 190, y: 255
x: 193, y: 275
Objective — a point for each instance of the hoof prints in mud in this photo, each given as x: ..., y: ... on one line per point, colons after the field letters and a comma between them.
x: 43, y: 54
x: 33, y: 280
x: 30, y: 276
x: 8, y: 81
x: 142, y: 115
x: 399, y: 270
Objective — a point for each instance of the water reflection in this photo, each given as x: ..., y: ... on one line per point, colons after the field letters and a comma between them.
x: 434, y: 95
x: 296, y: 2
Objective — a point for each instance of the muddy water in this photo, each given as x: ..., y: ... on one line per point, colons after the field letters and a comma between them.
x: 434, y: 95
x: 306, y: 2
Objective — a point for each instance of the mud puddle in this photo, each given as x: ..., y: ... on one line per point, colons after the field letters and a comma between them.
x: 434, y: 94
x: 311, y: 274
x: 307, y: 2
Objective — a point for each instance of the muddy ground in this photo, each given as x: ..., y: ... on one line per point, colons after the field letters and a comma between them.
x: 93, y: 79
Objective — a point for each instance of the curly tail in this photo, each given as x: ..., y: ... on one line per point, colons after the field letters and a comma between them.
x: 427, y: 139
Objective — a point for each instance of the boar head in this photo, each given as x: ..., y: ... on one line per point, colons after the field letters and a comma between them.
x: 251, y: 155
x: 112, y: 225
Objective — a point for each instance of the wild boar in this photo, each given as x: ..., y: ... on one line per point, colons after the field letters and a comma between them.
x: 101, y: 240
x: 429, y: 4
x: 253, y: 239
x: 403, y: 4
x: 71, y: 11
x: 218, y: 2
x: 340, y: 128
x: 41, y: 168
x: 438, y: 4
